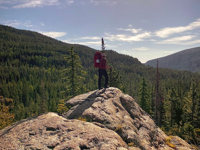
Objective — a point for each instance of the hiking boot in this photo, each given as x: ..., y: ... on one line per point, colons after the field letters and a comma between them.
x: 106, y: 87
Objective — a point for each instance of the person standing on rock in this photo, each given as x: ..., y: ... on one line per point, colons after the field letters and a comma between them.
x: 102, y: 71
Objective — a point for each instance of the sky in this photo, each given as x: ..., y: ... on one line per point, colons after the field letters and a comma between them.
x: 143, y: 29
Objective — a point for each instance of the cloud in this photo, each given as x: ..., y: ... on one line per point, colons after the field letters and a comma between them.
x: 167, y: 52
x: 29, y: 4
x: 131, y: 30
x: 163, y: 33
x: 15, y: 23
x: 91, y: 38
x: 12, y: 23
x: 140, y: 49
x: 69, y: 1
x: 128, y: 38
x: 53, y: 34
x: 35, y: 3
x: 41, y: 24
x: 107, y: 2
x: 176, y: 40
x: 191, y: 42
x: 96, y: 43
x: 28, y: 24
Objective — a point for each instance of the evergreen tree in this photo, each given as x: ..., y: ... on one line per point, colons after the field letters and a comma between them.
x: 103, y: 45
x: 197, y: 116
x: 193, y: 97
x: 159, y: 101
x: 173, y: 104
x: 152, y: 101
x: 43, y: 105
x: 144, y: 96
x: 74, y: 73
x: 52, y: 105
x: 116, y: 80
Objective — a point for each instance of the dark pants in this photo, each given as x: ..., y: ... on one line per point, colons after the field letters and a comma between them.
x: 104, y: 73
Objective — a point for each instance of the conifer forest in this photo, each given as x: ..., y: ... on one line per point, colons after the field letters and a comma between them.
x: 38, y: 74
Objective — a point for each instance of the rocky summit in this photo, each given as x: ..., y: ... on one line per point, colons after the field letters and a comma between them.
x: 104, y: 119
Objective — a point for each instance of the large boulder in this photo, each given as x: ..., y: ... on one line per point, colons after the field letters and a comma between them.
x: 112, y: 109
x: 50, y: 131
x: 114, y: 122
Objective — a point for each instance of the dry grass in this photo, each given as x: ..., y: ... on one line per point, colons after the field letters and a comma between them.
x: 119, y: 127
x: 131, y: 144
x: 195, y: 147
x: 82, y: 119
x: 168, y: 142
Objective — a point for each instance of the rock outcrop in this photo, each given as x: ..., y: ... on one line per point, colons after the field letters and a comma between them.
x: 113, y: 121
x: 113, y: 109
x: 50, y: 131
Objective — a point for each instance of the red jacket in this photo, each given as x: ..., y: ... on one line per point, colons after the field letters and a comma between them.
x: 103, y: 64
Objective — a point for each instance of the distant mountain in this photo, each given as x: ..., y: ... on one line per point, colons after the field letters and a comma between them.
x: 188, y: 59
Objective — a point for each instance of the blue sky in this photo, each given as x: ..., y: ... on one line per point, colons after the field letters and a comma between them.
x: 145, y: 29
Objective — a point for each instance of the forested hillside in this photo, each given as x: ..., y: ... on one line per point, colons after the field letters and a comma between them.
x: 31, y: 75
x: 184, y: 60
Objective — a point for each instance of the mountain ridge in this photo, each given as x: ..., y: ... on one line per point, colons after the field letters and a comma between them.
x: 184, y: 60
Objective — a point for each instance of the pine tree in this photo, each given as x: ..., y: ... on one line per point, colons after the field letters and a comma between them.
x: 103, y: 45
x: 193, y: 97
x: 116, y: 80
x: 43, y: 105
x: 152, y: 101
x: 52, y: 105
x: 197, y: 117
x: 74, y: 73
x: 144, y: 95
x: 172, y: 105
x: 159, y: 101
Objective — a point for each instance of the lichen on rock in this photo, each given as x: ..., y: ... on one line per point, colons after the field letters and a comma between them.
x: 116, y: 122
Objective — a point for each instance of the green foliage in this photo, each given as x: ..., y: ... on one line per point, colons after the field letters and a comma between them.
x: 6, y: 118
x: 115, y: 80
x: 144, y: 96
x: 74, y: 73
x: 174, y: 107
x: 61, y: 107
x: 193, y: 98
x: 179, y: 111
